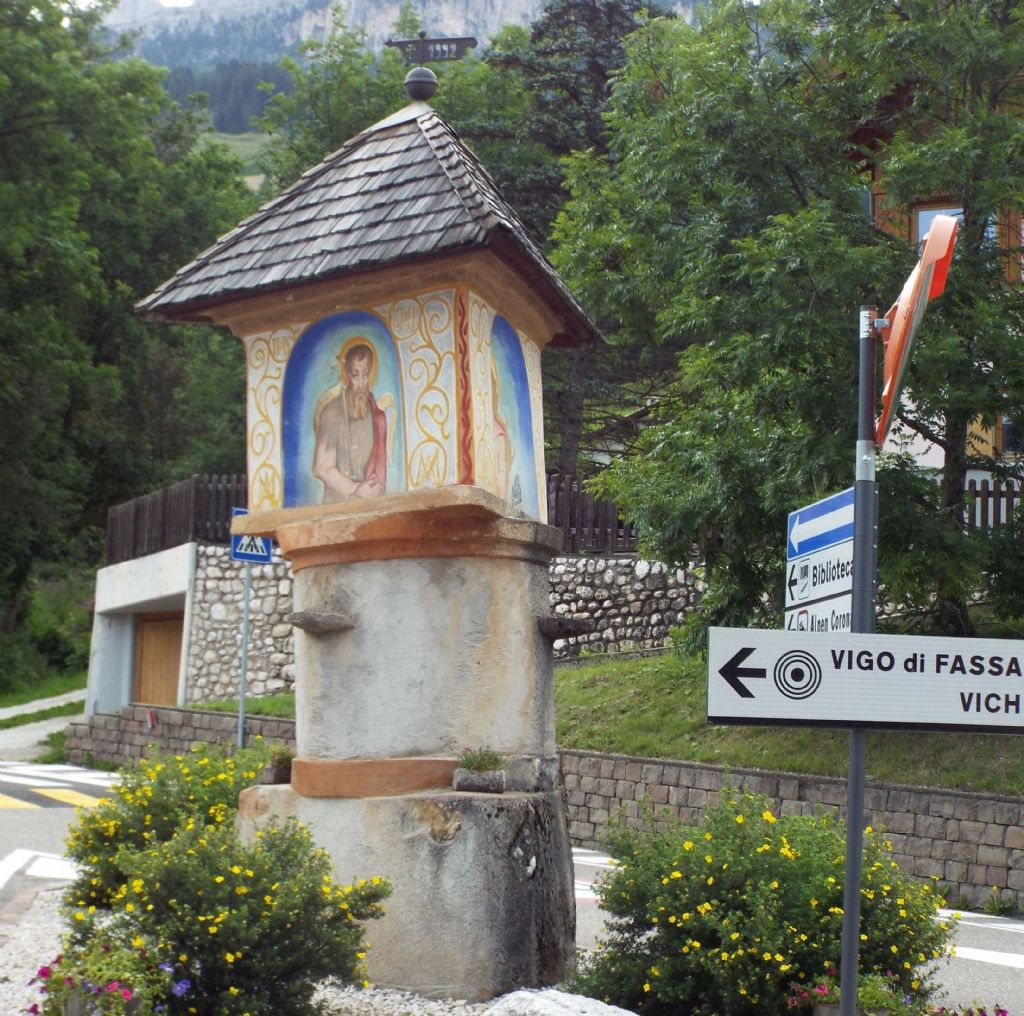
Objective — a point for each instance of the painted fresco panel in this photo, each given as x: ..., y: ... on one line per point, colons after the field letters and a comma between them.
x: 342, y: 405
x: 424, y: 333
x: 370, y: 404
x: 512, y: 430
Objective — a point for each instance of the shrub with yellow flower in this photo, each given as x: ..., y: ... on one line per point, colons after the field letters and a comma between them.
x: 766, y: 906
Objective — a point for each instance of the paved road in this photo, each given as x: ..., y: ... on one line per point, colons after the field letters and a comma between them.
x: 988, y: 965
x: 27, y: 741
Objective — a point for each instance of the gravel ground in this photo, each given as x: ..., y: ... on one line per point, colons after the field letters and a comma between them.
x: 37, y: 940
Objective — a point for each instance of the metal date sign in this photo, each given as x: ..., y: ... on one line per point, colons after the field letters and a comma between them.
x: 423, y: 50
x: 842, y: 679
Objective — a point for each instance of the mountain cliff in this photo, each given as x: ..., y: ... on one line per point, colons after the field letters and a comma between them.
x: 209, y: 32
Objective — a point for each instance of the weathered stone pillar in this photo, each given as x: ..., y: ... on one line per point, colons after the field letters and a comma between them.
x: 418, y: 636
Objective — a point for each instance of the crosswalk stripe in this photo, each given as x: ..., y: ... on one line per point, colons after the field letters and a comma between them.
x: 13, y: 802
x: 68, y: 797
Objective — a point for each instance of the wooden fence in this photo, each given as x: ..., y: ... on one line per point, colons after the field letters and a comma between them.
x: 195, y: 509
x: 589, y: 526
x: 200, y: 509
x: 992, y: 502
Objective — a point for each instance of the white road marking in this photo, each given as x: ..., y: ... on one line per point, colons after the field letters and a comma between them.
x: 963, y: 952
x: 37, y: 864
x: 52, y: 866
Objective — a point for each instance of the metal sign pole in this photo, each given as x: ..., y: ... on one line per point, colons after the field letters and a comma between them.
x: 245, y: 654
x: 865, y: 563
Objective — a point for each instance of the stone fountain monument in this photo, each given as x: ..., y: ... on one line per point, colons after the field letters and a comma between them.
x: 393, y: 311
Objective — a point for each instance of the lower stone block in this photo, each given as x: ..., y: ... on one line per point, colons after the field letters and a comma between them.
x: 483, y: 899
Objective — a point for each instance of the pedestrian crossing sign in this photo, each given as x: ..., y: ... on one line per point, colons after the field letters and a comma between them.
x: 254, y: 549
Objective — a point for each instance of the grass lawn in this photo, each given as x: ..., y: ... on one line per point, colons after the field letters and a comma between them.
x: 246, y: 147
x: 49, y: 688
x: 656, y: 707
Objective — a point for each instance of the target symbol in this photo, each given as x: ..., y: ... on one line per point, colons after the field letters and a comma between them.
x: 797, y: 674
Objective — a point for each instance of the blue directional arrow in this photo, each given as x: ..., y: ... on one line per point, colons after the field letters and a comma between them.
x: 820, y: 525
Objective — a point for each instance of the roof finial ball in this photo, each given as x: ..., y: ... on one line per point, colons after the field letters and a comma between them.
x: 421, y: 83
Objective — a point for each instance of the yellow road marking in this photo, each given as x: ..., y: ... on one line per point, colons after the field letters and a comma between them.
x: 13, y: 802
x: 67, y: 796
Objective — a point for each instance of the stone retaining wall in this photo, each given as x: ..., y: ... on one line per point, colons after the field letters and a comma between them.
x: 631, y: 603
x: 970, y: 842
x: 115, y: 739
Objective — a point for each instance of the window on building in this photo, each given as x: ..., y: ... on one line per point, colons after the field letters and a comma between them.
x: 924, y: 216
x: 1012, y: 439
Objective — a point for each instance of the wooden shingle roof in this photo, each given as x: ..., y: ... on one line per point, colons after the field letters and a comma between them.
x: 403, y: 189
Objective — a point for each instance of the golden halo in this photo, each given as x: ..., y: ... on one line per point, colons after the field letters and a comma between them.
x: 343, y: 351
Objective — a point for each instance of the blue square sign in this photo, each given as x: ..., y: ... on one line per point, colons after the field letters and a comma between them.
x: 254, y: 549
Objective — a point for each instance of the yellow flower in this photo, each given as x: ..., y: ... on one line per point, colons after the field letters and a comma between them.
x: 740, y: 820
x: 688, y: 845
x: 647, y: 986
x: 769, y: 818
x: 229, y: 957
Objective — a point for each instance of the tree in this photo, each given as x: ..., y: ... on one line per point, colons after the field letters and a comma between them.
x: 104, y: 192
x: 338, y: 90
x: 731, y: 209
x: 594, y: 394
x: 407, y: 24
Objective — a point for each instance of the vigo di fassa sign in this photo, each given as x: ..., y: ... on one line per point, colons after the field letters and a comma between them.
x: 841, y: 679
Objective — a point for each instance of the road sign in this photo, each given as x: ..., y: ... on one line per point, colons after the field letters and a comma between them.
x: 819, y: 525
x: 843, y: 680
x: 834, y: 614
x: 254, y: 549
x: 819, y: 565
x: 926, y: 281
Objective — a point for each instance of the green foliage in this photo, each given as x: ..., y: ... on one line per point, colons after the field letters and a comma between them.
x: 726, y: 915
x: 279, y: 704
x: 702, y: 226
x: 337, y: 90
x: 231, y: 89
x: 153, y: 800
x: 111, y: 976
x: 105, y: 193
x: 874, y: 992
x: 997, y: 904
x: 480, y: 760
x: 19, y: 720
x: 185, y: 917
x: 657, y: 708
x: 206, y: 923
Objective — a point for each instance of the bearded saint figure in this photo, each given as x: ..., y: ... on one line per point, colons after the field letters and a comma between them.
x: 350, y: 458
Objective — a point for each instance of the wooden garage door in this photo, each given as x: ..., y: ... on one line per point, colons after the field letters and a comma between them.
x: 158, y: 658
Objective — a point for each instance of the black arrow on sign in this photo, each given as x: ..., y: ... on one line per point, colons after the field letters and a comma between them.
x: 732, y: 672
x: 792, y: 581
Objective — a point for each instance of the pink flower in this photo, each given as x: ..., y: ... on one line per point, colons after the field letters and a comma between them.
x: 821, y: 989
x: 44, y: 972
x: 113, y: 986
x: 33, y: 1009
x: 126, y: 994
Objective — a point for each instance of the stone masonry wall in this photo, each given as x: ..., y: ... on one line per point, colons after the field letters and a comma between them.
x: 216, y: 627
x: 968, y: 841
x: 631, y: 603
x: 118, y: 738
